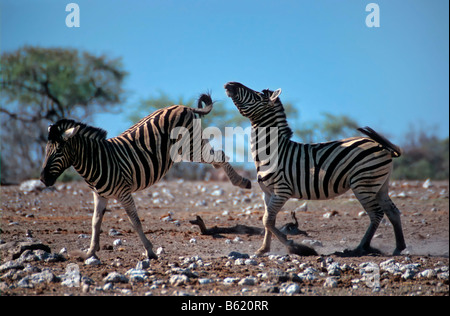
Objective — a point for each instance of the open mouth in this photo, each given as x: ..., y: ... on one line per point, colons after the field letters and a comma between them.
x: 230, y: 89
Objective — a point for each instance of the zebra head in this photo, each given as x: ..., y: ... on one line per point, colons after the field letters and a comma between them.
x: 251, y: 103
x: 57, y: 153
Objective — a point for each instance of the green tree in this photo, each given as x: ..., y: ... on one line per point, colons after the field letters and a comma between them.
x: 331, y: 127
x: 42, y: 85
x: 424, y: 156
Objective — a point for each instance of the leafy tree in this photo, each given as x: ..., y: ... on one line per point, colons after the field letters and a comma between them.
x: 331, y: 127
x: 424, y: 156
x: 42, y: 85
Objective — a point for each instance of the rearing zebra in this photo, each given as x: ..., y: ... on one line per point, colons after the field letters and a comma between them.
x: 316, y: 171
x: 132, y: 161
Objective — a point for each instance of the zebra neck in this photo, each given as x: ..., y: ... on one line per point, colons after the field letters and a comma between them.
x: 90, y: 158
x: 273, y: 120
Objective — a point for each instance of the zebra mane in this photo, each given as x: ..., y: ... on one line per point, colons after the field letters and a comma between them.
x: 56, y: 130
x: 279, y: 115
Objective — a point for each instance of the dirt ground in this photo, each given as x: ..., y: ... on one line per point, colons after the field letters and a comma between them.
x: 61, y: 218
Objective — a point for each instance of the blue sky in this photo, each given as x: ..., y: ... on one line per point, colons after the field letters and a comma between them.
x: 320, y: 52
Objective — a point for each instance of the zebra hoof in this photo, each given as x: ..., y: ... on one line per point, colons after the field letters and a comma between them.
x: 301, y: 250
x: 152, y: 255
x: 246, y: 184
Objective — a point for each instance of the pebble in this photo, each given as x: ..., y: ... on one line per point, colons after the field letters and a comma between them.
x: 72, y: 277
x: 230, y: 280
x: 248, y: 281
x: 113, y: 232
x: 334, y: 269
x: 115, y: 277
x: 92, y: 261
x: 330, y: 282
x: 290, y: 288
x: 137, y: 275
x: 142, y: 265
x: 204, y: 281
x: 178, y: 279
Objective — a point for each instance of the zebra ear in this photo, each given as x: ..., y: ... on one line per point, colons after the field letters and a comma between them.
x: 70, y: 133
x: 274, y: 96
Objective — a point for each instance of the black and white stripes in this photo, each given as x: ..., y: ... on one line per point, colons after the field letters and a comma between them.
x: 132, y: 161
x: 315, y: 171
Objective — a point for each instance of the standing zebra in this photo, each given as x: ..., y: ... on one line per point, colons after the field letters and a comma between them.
x: 132, y: 161
x: 317, y: 171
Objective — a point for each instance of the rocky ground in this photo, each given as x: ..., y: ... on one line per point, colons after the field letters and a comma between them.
x: 42, y: 230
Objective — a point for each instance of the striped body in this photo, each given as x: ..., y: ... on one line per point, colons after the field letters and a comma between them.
x: 132, y: 161
x: 287, y: 169
x: 325, y: 170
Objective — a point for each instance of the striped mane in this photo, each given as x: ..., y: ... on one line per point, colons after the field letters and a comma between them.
x: 56, y: 130
x: 279, y: 116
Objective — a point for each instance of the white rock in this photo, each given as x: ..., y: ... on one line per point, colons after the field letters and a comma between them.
x: 247, y: 281
x: 31, y: 185
x: 229, y: 280
x: 291, y: 289
x: 330, y: 282
x: 115, y: 277
x: 218, y: 192
x: 203, y: 281
x: 178, y: 279
x: 92, y: 261
x: 427, y: 184
x: 429, y: 273
x: 72, y: 276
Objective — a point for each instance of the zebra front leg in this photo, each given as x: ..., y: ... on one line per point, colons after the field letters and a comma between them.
x: 219, y: 160
x: 99, y: 210
x: 273, y: 204
x: 267, y: 233
x: 131, y: 210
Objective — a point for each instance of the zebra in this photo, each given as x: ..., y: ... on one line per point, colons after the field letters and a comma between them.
x: 317, y: 171
x: 134, y: 160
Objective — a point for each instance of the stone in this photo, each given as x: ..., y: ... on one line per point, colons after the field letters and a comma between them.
x: 330, y: 282
x: 178, y: 279
x: 115, y: 277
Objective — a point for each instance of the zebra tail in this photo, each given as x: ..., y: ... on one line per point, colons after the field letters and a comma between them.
x: 383, y: 141
x: 206, y: 99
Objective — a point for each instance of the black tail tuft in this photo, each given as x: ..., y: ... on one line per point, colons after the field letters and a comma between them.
x: 383, y: 141
x: 205, y: 98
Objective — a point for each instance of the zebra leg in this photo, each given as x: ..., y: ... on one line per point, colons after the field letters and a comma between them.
x: 370, y: 203
x: 219, y: 160
x: 128, y: 204
x: 99, y: 210
x: 393, y: 214
x: 273, y: 204
x: 267, y: 233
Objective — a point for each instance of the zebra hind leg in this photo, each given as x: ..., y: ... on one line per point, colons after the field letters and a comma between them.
x: 373, y: 208
x: 393, y: 214
x: 131, y: 210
